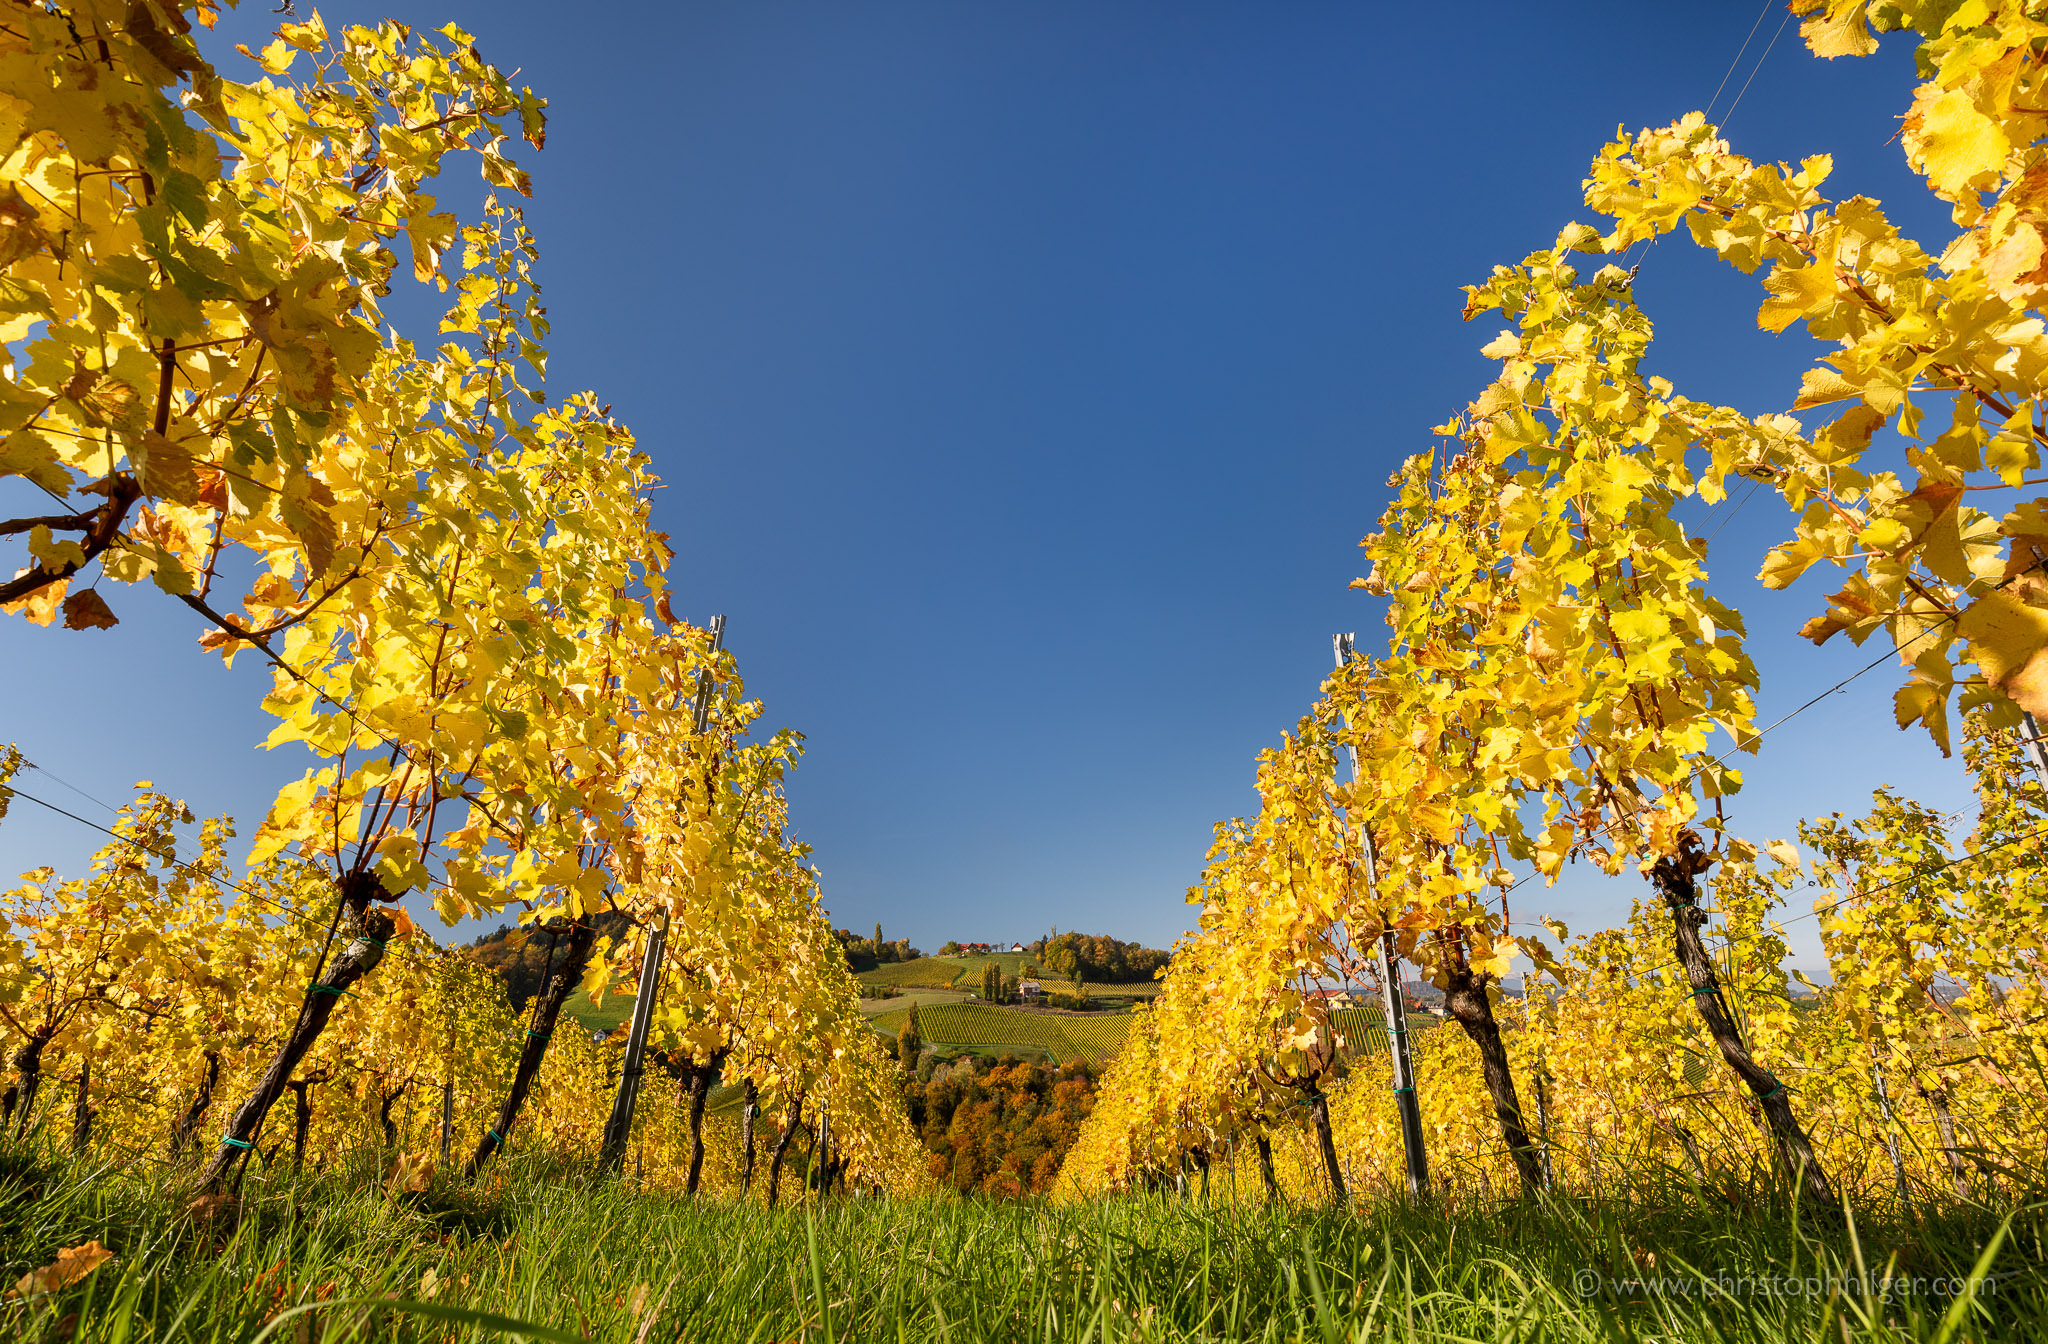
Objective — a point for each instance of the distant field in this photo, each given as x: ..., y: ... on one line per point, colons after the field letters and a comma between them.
x: 923, y: 988
x: 916, y: 994
x: 1364, y: 1028
x: 727, y: 1098
x: 930, y: 972
x: 965, y: 973
x: 1011, y: 962
x: 977, y: 1025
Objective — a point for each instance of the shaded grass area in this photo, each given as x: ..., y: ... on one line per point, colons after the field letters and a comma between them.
x: 545, y: 1253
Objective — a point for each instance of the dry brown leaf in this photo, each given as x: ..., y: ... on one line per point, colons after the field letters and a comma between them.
x: 72, y: 1264
x: 412, y: 1173
x: 87, y: 610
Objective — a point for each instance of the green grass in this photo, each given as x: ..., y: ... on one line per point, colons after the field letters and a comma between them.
x: 546, y: 1254
x: 992, y: 1030
x: 615, y: 1012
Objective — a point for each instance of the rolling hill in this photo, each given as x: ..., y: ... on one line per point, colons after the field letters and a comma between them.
x: 982, y: 1027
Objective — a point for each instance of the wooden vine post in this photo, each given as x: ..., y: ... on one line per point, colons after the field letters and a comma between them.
x: 619, y: 1128
x: 1891, y: 1141
x: 1393, y: 1003
x: 750, y: 1107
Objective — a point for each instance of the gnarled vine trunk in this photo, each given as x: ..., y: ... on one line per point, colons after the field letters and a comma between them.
x: 1465, y: 999
x: 796, y: 1121
x: 1674, y: 877
x: 533, y: 1049
x: 28, y: 1073
x: 202, y: 1102
x: 698, y: 1080
x: 368, y: 929
x: 302, y: 1118
x: 1945, y: 1127
x: 385, y: 1101
x: 1265, y: 1147
x: 83, y: 1113
x: 1319, y: 1112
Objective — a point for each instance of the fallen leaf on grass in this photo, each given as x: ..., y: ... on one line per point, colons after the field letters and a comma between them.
x: 71, y: 1265
x: 205, y: 1208
x: 412, y: 1172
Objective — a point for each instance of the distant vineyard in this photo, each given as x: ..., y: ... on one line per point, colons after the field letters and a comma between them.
x: 969, y: 1024
x: 924, y: 973
x: 1362, y: 1031
x: 965, y: 973
x: 1142, y: 989
x: 1097, y: 1037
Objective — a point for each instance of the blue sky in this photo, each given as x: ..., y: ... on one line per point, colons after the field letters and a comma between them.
x: 1023, y: 377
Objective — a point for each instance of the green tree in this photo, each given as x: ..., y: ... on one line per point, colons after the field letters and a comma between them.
x: 909, y: 1041
x: 1064, y: 956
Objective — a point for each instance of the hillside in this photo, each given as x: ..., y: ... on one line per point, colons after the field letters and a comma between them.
x: 520, y: 956
x: 963, y: 974
x: 613, y: 1012
x: 985, y: 1029
x: 925, y: 972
